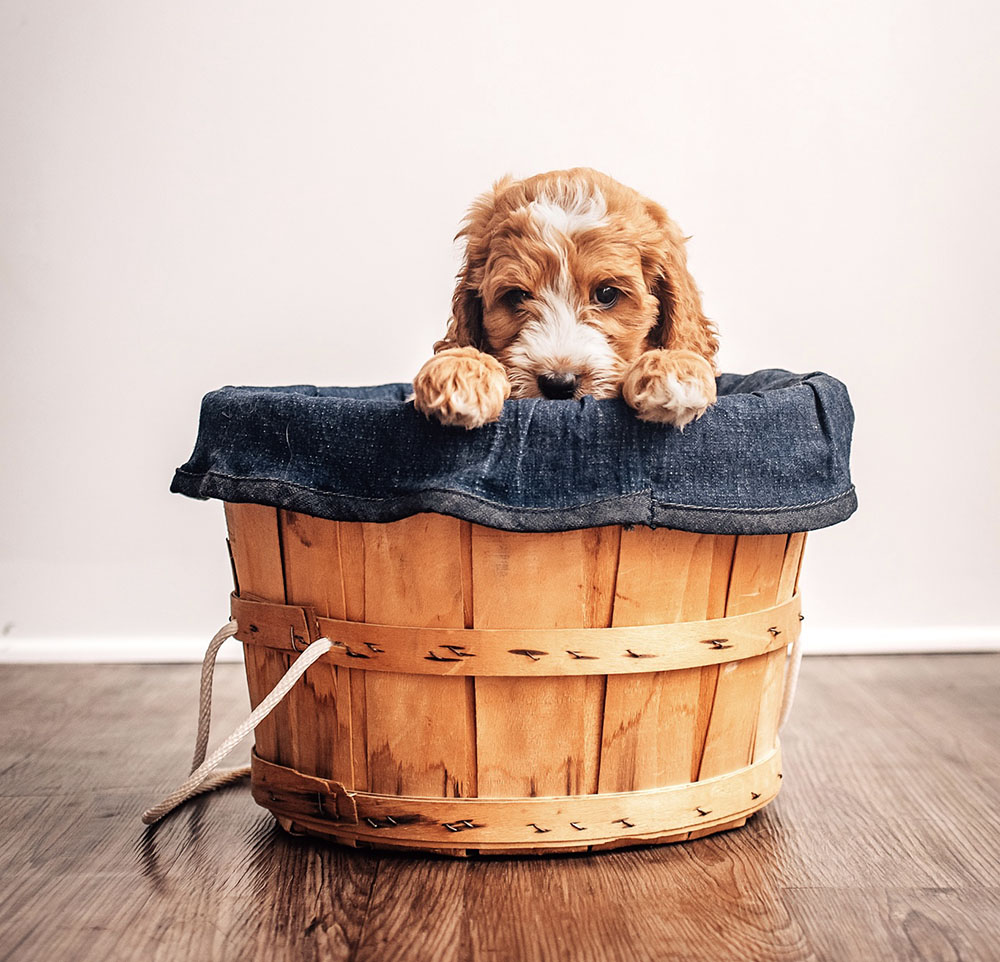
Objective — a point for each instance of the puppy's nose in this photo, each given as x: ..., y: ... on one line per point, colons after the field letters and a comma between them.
x: 558, y: 386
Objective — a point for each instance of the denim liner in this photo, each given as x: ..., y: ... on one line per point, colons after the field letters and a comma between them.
x: 771, y: 457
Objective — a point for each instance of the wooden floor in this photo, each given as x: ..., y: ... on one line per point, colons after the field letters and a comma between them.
x: 884, y: 843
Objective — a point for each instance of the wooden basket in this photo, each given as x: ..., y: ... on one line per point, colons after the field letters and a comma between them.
x: 493, y: 692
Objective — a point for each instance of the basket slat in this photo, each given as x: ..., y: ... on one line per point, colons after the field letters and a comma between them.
x: 421, y: 740
x: 322, y: 712
x: 255, y: 546
x: 791, y: 565
x: 651, y: 720
x: 557, y: 583
x: 766, y: 735
x: 256, y: 550
x: 753, y: 584
x: 351, y: 547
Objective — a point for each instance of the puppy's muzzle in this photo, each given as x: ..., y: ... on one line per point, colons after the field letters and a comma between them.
x: 558, y: 386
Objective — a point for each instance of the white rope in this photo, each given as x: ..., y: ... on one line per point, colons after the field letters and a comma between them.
x: 205, y: 694
x: 204, y: 777
x: 791, y: 681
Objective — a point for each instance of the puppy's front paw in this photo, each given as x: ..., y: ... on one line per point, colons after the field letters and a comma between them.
x: 670, y: 387
x: 461, y: 387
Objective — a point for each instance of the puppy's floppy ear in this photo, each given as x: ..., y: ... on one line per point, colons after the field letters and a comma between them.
x: 682, y: 325
x: 465, y: 329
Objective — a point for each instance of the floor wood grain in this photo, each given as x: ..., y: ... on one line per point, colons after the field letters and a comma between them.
x: 884, y: 843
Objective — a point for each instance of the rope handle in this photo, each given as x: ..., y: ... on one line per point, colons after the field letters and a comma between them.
x: 204, y: 777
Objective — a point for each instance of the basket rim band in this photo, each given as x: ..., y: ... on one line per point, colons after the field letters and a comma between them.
x: 527, y: 652
x: 325, y: 804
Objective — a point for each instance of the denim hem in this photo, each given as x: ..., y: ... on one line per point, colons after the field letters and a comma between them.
x: 638, y: 508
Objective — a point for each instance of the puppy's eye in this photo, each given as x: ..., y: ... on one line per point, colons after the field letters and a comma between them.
x: 607, y: 296
x: 515, y: 298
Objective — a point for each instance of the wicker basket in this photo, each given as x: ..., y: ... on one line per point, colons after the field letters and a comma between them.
x: 493, y: 692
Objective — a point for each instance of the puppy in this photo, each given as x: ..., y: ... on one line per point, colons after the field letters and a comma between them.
x: 572, y: 284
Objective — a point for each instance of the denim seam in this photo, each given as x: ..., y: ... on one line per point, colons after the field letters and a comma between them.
x: 648, y: 492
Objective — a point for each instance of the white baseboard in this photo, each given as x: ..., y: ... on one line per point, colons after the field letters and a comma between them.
x: 156, y: 650
x: 167, y: 650
x: 900, y: 641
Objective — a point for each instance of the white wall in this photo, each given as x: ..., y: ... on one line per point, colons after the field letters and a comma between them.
x: 195, y: 193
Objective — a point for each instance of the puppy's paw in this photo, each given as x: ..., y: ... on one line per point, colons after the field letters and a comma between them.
x: 670, y: 387
x: 461, y: 387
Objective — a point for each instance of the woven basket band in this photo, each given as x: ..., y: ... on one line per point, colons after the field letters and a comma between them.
x: 318, y: 803
x: 541, y: 652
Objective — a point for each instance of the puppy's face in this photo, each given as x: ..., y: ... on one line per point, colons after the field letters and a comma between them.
x: 566, y: 305
x: 569, y: 277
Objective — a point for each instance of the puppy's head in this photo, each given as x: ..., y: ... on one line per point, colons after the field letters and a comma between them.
x: 568, y: 277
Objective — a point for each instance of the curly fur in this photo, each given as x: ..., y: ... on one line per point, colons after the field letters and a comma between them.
x: 536, y: 251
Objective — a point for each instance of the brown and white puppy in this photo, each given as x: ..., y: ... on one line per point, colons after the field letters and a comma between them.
x: 572, y: 284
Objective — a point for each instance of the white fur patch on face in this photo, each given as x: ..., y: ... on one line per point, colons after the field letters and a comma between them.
x: 557, y: 343
x: 566, y: 209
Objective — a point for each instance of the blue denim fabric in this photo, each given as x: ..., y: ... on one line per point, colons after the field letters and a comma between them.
x: 770, y: 457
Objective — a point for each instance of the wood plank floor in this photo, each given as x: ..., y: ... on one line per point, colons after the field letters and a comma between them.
x: 884, y: 843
